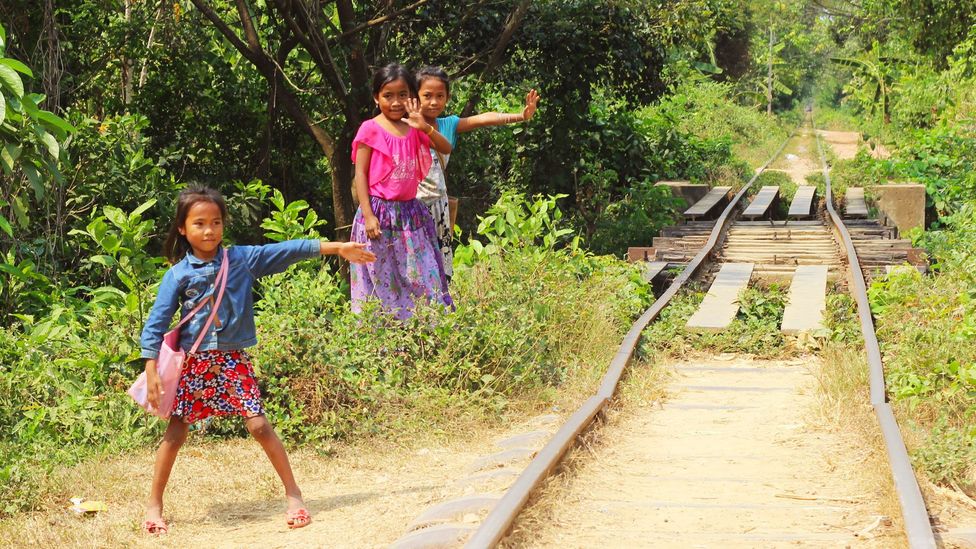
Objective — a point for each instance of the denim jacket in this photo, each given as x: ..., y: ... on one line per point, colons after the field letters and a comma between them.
x: 192, y: 279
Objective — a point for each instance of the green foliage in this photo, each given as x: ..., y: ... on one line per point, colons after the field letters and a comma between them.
x: 123, y: 238
x: 634, y: 220
x: 286, y: 222
x: 871, y: 84
x: 531, y: 314
x: 755, y: 329
x: 926, y: 327
x: 944, y: 160
x: 523, y: 322
x: 30, y: 137
x: 513, y: 223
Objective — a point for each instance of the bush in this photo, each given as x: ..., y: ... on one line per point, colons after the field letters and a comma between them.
x: 532, y: 314
x: 926, y: 326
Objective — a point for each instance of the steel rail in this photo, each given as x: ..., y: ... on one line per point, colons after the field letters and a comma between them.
x: 917, y: 525
x: 503, y: 515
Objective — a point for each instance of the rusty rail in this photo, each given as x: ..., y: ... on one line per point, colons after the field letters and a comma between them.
x: 917, y: 525
x: 501, y: 517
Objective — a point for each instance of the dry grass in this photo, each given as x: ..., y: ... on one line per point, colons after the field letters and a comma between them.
x: 226, y: 494
x: 845, y: 407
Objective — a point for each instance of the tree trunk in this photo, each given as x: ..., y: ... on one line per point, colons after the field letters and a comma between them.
x: 126, y: 61
x: 343, y: 171
x: 769, y: 80
x: 53, y: 66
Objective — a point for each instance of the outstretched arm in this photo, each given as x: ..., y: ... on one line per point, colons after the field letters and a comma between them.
x: 500, y: 118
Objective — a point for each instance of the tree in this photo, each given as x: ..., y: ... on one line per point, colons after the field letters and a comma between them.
x: 340, y: 42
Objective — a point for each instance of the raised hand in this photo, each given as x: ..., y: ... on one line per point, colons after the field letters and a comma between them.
x: 356, y: 252
x: 414, y: 117
x: 531, y: 102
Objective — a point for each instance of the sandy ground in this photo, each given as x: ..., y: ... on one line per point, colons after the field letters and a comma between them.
x: 799, y: 158
x: 733, y: 458
x: 844, y: 144
x: 225, y: 494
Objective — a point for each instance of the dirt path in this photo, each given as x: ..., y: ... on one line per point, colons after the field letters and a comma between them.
x: 799, y: 158
x: 734, y: 458
x: 844, y: 144
x: 225, y: 494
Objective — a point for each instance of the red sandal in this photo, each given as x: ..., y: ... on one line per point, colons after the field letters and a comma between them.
x: 155, y: 527
x: 298, y: 518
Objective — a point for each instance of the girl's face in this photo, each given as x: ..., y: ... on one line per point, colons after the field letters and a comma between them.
x: 203, y: 229
x: 392, y: 99
x: 433, y: 97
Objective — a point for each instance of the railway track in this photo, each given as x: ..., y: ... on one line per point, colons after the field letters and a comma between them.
x: 772, y: 249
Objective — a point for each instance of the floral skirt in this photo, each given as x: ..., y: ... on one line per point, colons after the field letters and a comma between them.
x: 441, y: 212
x: 217, y: 383
x: 409, y: 265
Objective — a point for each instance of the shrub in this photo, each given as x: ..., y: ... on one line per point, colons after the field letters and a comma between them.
x: 531, y: 315
x: 926, y: 326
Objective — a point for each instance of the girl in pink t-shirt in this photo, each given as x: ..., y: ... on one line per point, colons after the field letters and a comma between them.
x: 392, y: 156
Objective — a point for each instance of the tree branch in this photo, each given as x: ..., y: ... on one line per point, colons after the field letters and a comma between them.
x: 225, y: 30
x: 311, y: 40
x: 268, y: 68
x: 377, y: 21
x: 252, y: 35
x: 514, y: 20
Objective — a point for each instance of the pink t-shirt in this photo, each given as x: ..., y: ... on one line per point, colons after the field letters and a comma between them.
x: 397, y: 164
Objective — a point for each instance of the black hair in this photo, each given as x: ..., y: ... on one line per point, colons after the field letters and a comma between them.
x: 427, y: 73
x: 391, y: 73
x: 176, y: 244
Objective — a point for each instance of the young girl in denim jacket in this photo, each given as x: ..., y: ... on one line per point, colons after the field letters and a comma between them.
x: 218, y: 379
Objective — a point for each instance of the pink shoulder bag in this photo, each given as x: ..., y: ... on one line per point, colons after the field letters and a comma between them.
x: 171, y: 356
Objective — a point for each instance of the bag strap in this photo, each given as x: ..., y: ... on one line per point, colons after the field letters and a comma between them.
x: 199, y: 306
x: 443, y: 163
x: 222, y: 276
x: 222, y: 281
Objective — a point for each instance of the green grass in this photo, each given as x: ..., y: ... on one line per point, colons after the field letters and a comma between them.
x: 755, y: 329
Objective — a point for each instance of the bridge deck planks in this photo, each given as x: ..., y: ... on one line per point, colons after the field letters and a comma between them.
x: 808, y: 300
x: 802, y: 204
x: 706, y: 205
x: 654, y: 268
x: 854, y: 204
x: 761, y: 203
x: 721, y: 303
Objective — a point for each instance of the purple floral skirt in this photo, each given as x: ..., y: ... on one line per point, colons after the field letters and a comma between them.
x: 409, y: 265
